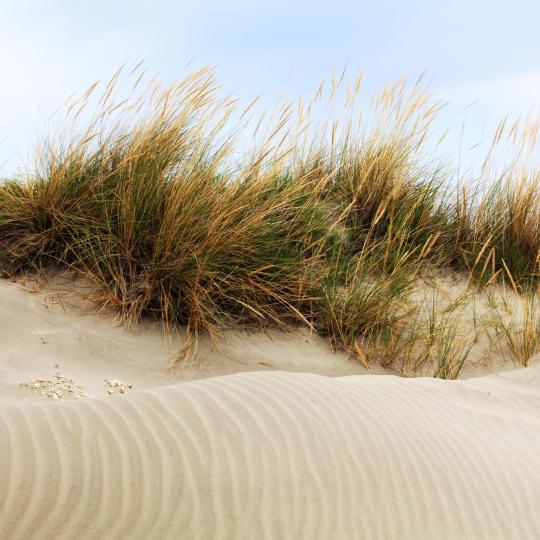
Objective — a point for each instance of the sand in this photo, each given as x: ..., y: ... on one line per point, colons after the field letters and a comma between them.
x: 46, y: 332
x: 264, y: 452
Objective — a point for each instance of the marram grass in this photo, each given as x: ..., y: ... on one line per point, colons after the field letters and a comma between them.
x: 327, y: 228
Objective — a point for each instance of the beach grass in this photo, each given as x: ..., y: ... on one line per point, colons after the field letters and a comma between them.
x: 328, y: 228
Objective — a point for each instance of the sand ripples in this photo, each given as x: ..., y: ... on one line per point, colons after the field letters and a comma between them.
x: 278, y: 455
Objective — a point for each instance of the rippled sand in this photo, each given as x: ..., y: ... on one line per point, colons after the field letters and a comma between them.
x: 253, y: 455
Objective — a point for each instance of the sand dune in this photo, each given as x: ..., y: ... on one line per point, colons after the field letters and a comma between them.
x: 42, y: 334
x: 260, y: 454
x: 279, y: 455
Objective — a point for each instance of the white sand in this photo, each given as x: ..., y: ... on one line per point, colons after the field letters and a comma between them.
x: 252, y: 455
x: 41, y: 335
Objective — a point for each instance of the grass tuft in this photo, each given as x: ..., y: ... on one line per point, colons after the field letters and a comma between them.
x: 328, y: 228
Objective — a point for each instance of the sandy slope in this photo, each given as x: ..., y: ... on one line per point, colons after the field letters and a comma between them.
x: 42, y: 334
x: 252, y: 455
x: 279, y: 455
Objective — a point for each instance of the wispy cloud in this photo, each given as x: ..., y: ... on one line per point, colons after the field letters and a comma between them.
x: 514, y: 93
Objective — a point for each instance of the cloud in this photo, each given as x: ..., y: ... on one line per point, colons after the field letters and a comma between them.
x: 515, y: 93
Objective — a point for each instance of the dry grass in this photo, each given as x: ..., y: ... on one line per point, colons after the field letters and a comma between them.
x: 440, y: 343
x: 516, y: 328
x: 326, y: 227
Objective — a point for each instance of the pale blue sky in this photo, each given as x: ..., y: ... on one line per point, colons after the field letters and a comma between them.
x: 477, y: 50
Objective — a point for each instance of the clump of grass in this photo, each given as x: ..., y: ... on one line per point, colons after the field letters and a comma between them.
x: 151, y: 216
x: 436, y: 340
x: 496, y: 222
x: 362, y: 307
x: 516, y: 326
x: 326, y: 228
x: 386, y: 191
x: 501, y: 235
x: 449, y: 351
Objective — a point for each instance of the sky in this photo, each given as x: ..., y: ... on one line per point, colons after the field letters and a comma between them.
x: 483, y: 57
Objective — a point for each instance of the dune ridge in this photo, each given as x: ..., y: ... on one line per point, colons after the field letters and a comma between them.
x: 279, y: 455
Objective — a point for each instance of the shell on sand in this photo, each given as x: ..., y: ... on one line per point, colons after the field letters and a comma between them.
x: 278, y: 455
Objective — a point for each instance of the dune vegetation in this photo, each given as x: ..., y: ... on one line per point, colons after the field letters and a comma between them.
x: 335, y: 226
